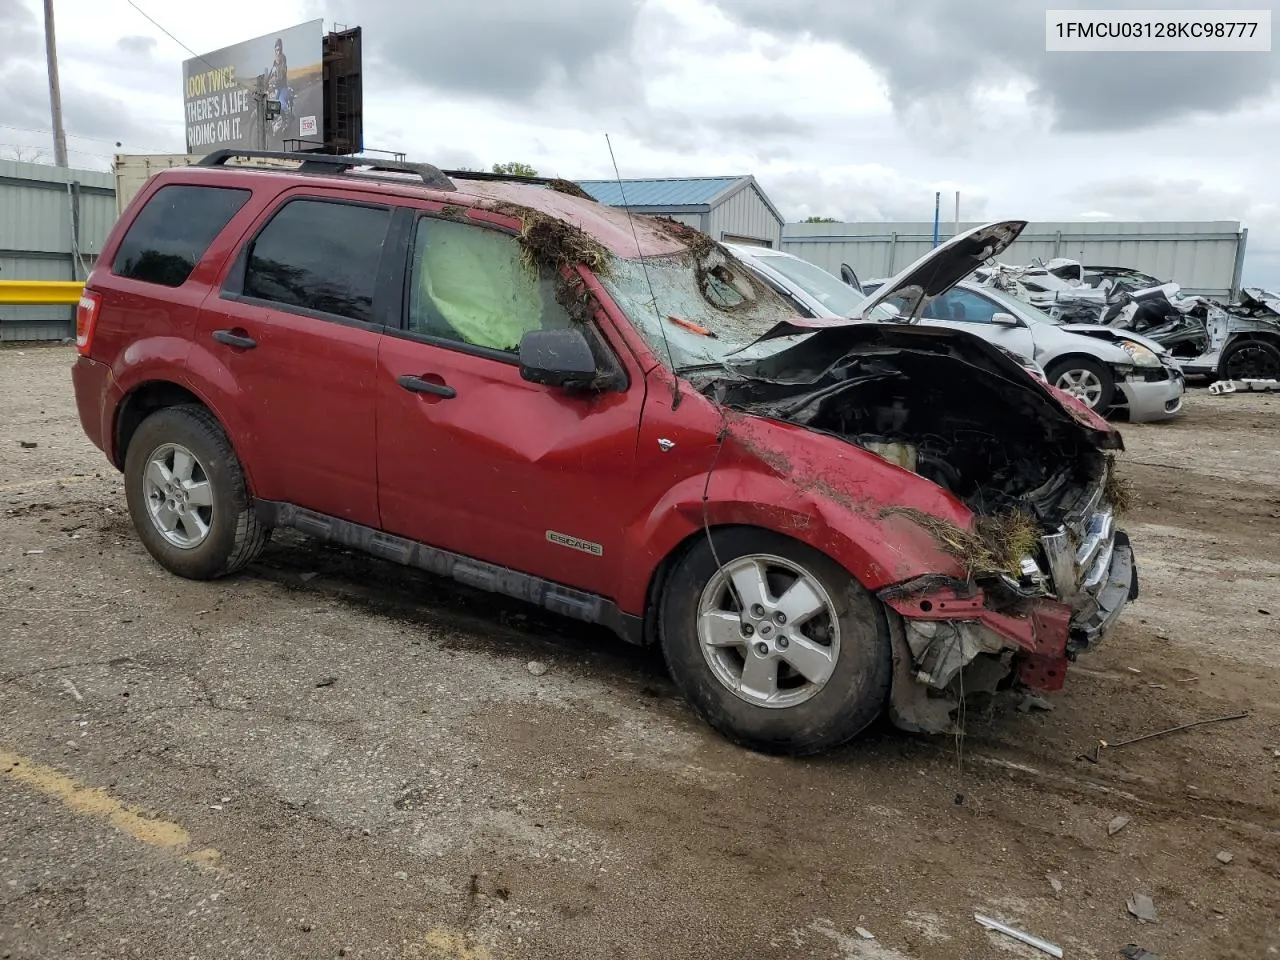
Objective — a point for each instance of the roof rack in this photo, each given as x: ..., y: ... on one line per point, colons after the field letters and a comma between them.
x: 325, y: 163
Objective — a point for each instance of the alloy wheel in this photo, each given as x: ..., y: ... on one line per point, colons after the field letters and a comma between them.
x: 1082, y: 384
x: 768, y: 630
x: 179, y: 495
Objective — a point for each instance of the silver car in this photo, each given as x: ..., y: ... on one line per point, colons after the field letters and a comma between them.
x: 1112, y: 371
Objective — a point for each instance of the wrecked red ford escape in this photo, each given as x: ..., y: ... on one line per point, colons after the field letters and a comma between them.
x: 501, y: 381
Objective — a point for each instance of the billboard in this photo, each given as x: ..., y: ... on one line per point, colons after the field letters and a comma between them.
x: 231, y: 95
x: 343, y: 92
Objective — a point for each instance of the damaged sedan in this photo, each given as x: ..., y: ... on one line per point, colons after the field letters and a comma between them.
x: 499, y: 380
x: 1237, y: 340
x: 1110, y: 371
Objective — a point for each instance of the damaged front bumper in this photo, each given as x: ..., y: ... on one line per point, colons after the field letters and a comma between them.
x: 1152, y: 394
x: 953, y: 641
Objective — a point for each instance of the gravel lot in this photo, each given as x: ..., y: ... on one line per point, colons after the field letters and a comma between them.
x: 329, y: 756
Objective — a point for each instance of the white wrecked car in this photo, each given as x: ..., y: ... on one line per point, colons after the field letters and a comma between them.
x: 1110, y: 370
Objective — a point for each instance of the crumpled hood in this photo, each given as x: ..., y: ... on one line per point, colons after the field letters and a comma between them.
x: 1101, y: 331
x: 816, y: 356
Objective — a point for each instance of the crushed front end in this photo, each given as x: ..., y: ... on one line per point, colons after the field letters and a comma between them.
x: 1039, y: 573
x: 958, y: 641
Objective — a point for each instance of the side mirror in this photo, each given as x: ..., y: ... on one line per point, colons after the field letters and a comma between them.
x: 1006, y: 320
x: 849, y: 277
x: 558, y: 358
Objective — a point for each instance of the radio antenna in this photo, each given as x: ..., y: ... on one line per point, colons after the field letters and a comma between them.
x: 644, y: 265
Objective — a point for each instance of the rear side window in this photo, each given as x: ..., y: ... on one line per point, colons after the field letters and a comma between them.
x: 319, y: 255
x: 172, y: 232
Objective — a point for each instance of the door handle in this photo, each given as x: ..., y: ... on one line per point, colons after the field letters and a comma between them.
x: 233, y: 339
x: 418, y: 385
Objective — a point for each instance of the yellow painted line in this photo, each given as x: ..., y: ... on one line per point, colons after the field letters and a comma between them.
x: 44, y: 483
x: 96, y: 802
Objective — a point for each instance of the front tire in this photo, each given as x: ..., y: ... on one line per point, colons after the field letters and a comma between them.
x: 1086, y: 379
x: 793, y: 658
x: 187, y: 495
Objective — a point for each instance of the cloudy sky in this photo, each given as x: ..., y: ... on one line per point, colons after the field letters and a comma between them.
x: 855, y: 110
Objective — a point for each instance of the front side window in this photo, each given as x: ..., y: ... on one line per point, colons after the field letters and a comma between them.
x: 319, y: 255
x: 173, y: 230
x: 1019, y: 308
x: 963, y: 305
x: 469, y: 285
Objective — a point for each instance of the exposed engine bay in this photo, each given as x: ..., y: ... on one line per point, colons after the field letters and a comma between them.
x: 946, y: 411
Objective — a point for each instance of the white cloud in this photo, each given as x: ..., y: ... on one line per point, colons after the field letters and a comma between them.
x: 829, y: 125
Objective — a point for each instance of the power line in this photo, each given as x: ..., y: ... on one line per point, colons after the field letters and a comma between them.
x: 75, y: 136
x: 258, y: 93
x: 170, y: 35
x: 44, y: 152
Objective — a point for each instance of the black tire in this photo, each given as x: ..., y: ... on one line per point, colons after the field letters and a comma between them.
x: 857, y: 691
x: 235, y: 534
x: 1250, y: 360
x: 1106, y: 380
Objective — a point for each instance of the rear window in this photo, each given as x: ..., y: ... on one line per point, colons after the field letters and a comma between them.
x: 173, y: 230
x: 321, y: 256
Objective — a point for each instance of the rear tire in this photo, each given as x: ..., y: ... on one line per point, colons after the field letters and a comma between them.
x: 800, y: 684
x: 1087, y: 379
x: 187, y: 495
x: 1250, y: 360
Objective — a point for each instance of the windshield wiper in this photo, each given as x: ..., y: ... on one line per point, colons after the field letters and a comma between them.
x: 695, y: 367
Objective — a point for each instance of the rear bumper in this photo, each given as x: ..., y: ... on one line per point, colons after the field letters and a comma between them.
x: 92, y: 383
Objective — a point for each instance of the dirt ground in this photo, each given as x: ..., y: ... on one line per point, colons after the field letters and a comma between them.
x: 329, y: 756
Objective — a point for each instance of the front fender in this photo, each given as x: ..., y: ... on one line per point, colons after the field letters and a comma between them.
x: 845, y: 502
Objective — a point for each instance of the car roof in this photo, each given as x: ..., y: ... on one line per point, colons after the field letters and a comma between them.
x: 625, y: 236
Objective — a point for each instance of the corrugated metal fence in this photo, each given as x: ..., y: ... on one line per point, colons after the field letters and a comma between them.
x: 53, y: 222
x: 1201, y: 256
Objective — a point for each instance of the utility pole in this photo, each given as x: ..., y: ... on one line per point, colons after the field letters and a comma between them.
x: 55, y: 93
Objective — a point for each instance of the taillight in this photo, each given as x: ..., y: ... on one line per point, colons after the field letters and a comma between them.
x: 86, y: 319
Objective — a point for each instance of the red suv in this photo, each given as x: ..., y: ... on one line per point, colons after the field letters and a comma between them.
x: 502, y: 381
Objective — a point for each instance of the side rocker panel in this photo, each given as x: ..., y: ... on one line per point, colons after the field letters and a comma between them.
x: 554, y: 597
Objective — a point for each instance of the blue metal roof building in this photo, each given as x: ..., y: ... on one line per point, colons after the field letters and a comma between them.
x: 726, y: 208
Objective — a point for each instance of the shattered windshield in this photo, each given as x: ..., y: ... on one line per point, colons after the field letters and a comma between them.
x: 710, y: 311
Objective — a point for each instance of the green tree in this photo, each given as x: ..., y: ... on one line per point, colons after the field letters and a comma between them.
x: 821, y: 220
x: 515, y: 169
